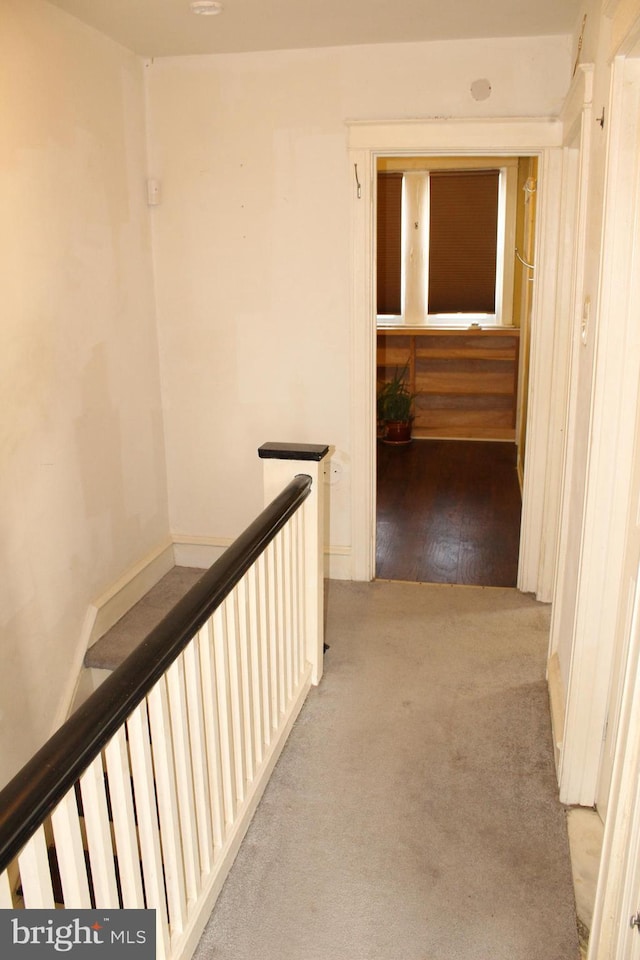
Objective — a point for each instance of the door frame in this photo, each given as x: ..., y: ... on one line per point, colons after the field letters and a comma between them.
x: 618, y: 889
x: 492, y: 137
x: 592, y: 616
x: 568, y: 724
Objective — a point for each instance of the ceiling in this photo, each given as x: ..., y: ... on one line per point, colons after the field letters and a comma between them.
x: 157, y: 28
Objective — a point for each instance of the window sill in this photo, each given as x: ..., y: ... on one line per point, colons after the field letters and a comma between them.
x: 444, y: 322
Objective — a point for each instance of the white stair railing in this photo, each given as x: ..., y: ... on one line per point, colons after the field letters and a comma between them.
x: 152, y: 796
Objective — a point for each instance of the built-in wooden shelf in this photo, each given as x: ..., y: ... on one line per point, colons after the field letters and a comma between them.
x: 465, y: 380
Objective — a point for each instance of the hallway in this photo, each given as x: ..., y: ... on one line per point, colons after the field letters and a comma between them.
x: 448, y: 511
x: 413, y: 814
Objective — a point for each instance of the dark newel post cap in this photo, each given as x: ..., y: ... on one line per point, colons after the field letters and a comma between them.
x: 292, y: 451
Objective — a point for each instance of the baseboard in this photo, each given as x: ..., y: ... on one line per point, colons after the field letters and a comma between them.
x: 201, y: 552
x: 193, y: 551
x: 556, y: 706
x: 69, y: 699
x: 106, y: 610
x: 337, y: 563
x: 129, y: 588
x: 88, y: 682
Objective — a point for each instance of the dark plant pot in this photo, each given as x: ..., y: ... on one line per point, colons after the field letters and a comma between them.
x: 397, y: 431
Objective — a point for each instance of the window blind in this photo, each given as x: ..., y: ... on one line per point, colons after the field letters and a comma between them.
x: 463, y: 234
x: 389, y: 247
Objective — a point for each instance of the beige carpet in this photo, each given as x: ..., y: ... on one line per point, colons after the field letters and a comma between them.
x: 414, y: 813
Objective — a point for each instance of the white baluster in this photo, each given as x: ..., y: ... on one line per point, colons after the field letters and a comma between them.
x: 282, y: 655
x: 184, y: 776
x: 116, y: 756
x: 262, y: 586
x: 255, y: 661
x: 225, y: 719
x: 67, y: 834
x: 212, y: 733
x: 6, y: 900
x: 235, y: 693
x: 274, y: 665
x: 297, y: 590
x: 197, y: 741
x: 287, y: 609
x: 98, y: 831
x: 165, y: 775
x: 35, y: 874
x: 246, y: 685
x: 148, y: 827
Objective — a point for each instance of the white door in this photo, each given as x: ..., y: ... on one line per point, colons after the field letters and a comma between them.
x: 628, y: 933
x: 615, y: 934
x: 626, y: 88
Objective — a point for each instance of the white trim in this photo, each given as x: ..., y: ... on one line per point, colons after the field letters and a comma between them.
x: 106, y: 610
x: 72, y: 694
x: 557, y: 706
x: 493, y: 136
x: 200, y: 552
x: 610, y: 455
x: 614, y: 892
x: 416, y: 207
x: 363, y: 362
x: 367, y: 141
x: 337, y: 563
x: 537, y: 528
x: 129, y: 588
x: 577, y: 117
x: 625, y: 27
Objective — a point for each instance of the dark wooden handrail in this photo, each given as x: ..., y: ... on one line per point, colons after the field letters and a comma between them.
x: 34, y: 792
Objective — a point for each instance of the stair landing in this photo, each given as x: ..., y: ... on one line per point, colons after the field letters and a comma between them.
x: 125, y: 635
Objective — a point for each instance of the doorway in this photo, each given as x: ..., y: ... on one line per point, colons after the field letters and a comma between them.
x: 368, y: 141
x: 455, y: 242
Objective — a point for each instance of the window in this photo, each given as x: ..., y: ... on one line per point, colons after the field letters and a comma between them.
x: 389, y: 219
x: 441, y: 244
x: 463, y: 238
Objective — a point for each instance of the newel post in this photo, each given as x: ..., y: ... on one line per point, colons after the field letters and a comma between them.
x: 282, y: 462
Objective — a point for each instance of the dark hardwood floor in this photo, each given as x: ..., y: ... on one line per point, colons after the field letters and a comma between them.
x: 448, y: 511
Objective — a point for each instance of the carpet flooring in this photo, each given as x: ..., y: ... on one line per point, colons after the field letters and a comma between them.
x: 413, y: 814
x: 125, y: 635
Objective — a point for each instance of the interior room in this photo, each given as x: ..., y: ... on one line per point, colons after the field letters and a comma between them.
x: 193, y: 330
x: 455, y: 243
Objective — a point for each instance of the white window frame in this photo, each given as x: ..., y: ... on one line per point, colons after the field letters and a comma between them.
x: 415, y: 262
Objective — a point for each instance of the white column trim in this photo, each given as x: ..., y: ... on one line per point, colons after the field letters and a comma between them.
x: 609, y: 464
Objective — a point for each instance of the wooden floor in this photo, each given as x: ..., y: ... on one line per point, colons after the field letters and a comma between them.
x: 448, y: 512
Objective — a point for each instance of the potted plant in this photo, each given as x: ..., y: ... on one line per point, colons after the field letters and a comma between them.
x: 394, y: 404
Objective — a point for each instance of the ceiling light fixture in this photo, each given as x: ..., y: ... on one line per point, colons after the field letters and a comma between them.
x: 207, y: 8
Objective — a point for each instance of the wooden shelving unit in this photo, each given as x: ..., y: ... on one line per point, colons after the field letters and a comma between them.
x: 465, y: 380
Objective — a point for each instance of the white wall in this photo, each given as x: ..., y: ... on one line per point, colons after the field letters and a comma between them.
x: 251, y: 247
x: 82, y: 481
x: 252, y: 242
